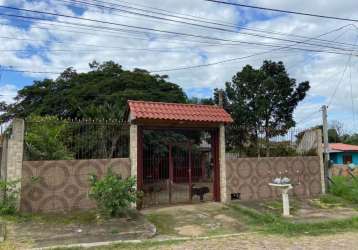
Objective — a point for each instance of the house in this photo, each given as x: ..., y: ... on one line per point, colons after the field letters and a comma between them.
x: 341, y: 153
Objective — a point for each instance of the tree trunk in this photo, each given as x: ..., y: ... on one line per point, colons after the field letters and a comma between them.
x: 267, y: 142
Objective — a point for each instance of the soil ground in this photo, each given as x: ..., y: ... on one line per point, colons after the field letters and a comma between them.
x: 194, y: 220
x: 199, y: 220
x: 307, y: 210
x: 264, y: 242
x: 60, y: 229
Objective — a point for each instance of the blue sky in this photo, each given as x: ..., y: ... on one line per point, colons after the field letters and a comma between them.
x: 323, y: 70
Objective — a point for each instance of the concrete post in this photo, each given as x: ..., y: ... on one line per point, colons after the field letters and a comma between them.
x: 321, y: 160
x: 133, y: 148
x: 15, y: 151
x: 222, y: 159
x: 286, y: 201
x: 3, y: 158
x: 133, y: 151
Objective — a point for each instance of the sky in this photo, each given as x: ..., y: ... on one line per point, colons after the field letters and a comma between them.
x: 51, y: 46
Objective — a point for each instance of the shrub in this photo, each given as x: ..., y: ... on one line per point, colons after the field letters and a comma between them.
x: 112, y: 193
x: 9, y: 191
x: 345, y: 187
x: 44, y: 139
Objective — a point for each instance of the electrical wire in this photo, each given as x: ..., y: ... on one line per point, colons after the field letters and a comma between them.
x: 151, y: 29
x: 284, y: 11
x: 243, y: 57
x: 198, y: 25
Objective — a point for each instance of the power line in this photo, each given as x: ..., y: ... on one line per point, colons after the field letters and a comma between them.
x: 115, y: 29
x: 11, y: 68
x: 243, y: 57
x: 284, y: 11
x: 195, y: 24
x: 154, y: 29
x: 343, y: 73
x: 307, y: 117
x: 213, y: 21
x: 351, y: 90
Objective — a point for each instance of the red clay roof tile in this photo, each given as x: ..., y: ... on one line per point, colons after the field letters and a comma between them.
x: 178, y: 112
x: 342, y: 147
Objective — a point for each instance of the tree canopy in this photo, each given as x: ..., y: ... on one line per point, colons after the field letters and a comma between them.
x: 263, y: 100
x: 100, y: 93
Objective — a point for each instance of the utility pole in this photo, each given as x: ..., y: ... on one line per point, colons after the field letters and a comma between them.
x: 325, y: 144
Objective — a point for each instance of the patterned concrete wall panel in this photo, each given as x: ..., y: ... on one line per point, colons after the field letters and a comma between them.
x: 250, y: 176
x: 57, y: 186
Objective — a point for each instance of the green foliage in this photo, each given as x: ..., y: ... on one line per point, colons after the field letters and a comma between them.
x: 10, y: 192
x: 101, y: 93
x: 273, y: 224
x: 350, y: 139
x: 264, y: 100
x: 44, y: 139
x: 345, y: 187
x: 112, y: 193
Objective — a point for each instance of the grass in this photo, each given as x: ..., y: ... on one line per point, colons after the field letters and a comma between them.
x: 7, y: 246
x: 87, y: 217
x: 131, y: 246
x: 346, y: 188
x: 79, y: 217
x: 273, y: 224
x: 164, y: 222
x: 276, y: 206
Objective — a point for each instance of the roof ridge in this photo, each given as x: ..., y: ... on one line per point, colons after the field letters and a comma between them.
x: 177, y: 103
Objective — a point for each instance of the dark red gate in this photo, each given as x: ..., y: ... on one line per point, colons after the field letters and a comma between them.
x: 177, y: 172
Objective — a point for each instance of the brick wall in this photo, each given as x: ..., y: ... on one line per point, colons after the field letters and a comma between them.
x: 250, y: 176
x: 57, y: 186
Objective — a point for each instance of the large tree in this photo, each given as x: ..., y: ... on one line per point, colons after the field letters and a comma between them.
x: 100, y: 93
x: 262, y: 101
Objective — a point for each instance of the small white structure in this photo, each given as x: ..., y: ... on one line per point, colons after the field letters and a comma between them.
x: 285, y: 201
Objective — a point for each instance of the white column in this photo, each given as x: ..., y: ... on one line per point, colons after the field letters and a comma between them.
x: 285, y: 202
x: 222, y: 160
x: 133, y: 148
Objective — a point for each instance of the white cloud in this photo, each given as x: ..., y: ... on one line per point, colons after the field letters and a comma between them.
x: 322, y: 70
x: 7, y: 93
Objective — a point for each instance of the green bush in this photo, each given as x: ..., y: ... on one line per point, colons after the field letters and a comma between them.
x: 45, y: 139
x: 113, y: 194
x: 345, y: 187
x: 9, y: 192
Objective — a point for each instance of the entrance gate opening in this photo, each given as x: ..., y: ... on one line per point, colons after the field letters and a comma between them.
x: 178, y: 166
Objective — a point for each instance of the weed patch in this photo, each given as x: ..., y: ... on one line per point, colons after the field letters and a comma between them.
x: 163, y: 222
x: 345, y: 187
x: 269, y: 223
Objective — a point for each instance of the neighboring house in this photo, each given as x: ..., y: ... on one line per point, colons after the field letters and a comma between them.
x: 341, y: 153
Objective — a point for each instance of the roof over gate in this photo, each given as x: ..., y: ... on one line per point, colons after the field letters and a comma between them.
x: 191, y: 113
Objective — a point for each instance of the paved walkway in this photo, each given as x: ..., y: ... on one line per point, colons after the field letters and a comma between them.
x: 342, y: 241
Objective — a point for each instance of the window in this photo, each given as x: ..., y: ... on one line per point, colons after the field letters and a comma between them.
x: 347, y: 159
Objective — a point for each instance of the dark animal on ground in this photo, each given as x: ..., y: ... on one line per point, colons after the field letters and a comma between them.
x: 199, y: 191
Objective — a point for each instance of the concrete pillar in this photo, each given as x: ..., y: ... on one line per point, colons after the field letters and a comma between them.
x: 133, y: 148
x: 3, y: 157
x: 321, y: 160
x: 15, y: 151
x: 222, y: 160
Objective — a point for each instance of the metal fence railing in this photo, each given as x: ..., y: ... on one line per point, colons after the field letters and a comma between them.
x: 54, y: 139
x: 261, y: 142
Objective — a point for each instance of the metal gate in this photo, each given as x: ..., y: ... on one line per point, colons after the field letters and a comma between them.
x: 176, y: 172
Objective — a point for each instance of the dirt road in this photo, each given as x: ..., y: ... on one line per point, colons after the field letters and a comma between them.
x: 344, y: 241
